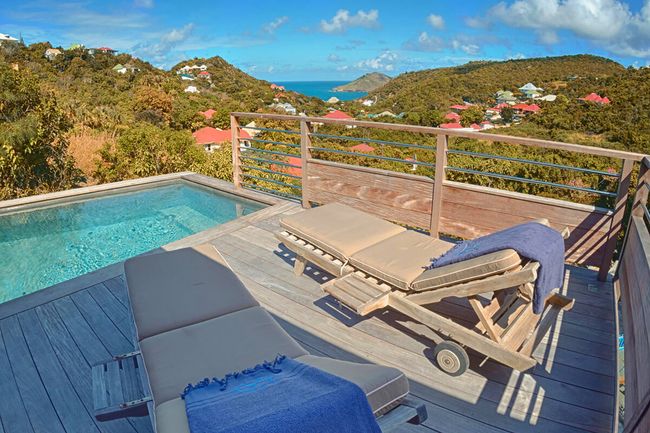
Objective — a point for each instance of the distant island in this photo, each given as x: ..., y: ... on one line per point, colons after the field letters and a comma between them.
x: 366, y: 83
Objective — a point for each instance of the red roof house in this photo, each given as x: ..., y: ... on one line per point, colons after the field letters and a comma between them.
x: 208, y: 113
x: 295, y: 171
x: 208, y: 135
x: 363, y: 147
x: 452, y: 116
x: 475, y: 126
x: 520, y: 106
x: 204, y: 74
x: 533, y: 108
x: 460, y: 107
x: 337, y: 114
x: 451, y: 126
x: 595, y: 97
x: 106, y: 50
x: 276, y: 87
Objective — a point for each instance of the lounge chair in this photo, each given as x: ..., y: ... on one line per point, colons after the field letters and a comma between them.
x: 194, y: 318
x: 379, y: 264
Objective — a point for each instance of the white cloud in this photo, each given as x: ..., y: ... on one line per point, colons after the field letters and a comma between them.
x: 436, y: 21
x: 467, y: 48
x: 342, y: 21
x: 383, y: 62
x: 476, y: 23
x: 334, y: 58
x: 271, y: 27
x: 425, y: 42
x: 608, y: 23
x: 159, y: 52
x: 148, y: 4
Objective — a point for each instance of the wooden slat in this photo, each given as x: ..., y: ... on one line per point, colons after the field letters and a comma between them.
x: 12, y: 411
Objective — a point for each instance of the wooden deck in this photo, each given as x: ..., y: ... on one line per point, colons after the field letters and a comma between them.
x: 46, y: 351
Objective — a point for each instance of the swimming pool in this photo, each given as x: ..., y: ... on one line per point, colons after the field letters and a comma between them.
x: 45, y: 246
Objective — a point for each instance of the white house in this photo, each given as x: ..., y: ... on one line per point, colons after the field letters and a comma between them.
x: 51, y: 53
x: 191, y: 89
x: 368, y: 102
x: 6, y: 38
x: 287, y: 107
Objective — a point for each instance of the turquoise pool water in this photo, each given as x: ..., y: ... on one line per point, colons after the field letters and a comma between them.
x: 42, y: 247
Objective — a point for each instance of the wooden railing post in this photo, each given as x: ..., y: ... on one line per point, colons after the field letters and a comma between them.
x: 438, y: 185
x: 236, y: 149
x: 617, y: 218
x: 305, y: 154
x: 641, y: 196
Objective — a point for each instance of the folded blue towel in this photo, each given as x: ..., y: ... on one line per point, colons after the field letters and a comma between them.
x: 533, y: 241
x: 283, y: 396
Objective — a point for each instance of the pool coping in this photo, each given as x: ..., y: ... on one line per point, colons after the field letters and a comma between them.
x: 65, y: 288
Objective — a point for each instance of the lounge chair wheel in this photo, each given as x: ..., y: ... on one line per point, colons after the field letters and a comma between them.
x: 451, y: 358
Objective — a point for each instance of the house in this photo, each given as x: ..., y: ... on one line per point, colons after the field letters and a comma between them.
x: 204, y: 74
x: 363, y: 148
x: 119, y: 68
x: 6, y: 38
x: 530, y: 90
x: 191, y: 89
x: 505, y: 97
x: 276, y: 87
x: 594, y: 97
x: 75, y: 47
x: 414, y: 166
x: 486, y: 124
x: 548, y: 98
x: 452, y: 116
x: 187, y: 77
x: 522, y: 108
x: 460, y: 107
x: 368, y: 102
x: 386, y: 113
x: 454, y: 125
x: 287, y: 107
x: 105, y: 50
x: 203, y: 68
x: 333, y: 100
x: 338, y: 114
x: 51, y: 53
x: 213, y: 138
x: 208, y: 113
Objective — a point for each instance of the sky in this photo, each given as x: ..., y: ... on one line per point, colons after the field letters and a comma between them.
x: 339, y: 40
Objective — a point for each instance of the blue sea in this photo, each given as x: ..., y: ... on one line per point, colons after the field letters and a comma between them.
x: 321, y: 89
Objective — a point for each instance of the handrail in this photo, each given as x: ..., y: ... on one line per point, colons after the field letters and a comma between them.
x: 602, y: 234
x: 533, y: 142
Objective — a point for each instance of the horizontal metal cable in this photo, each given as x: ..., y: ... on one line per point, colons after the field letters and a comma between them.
x: 277, y: 182
x: 266, y: 170
x: 367, y: 155
x: 372, y: 140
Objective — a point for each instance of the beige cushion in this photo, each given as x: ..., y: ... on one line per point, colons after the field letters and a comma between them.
x: 384, y: 388
x: 468, y: 270
x: 180, y: 288
x: 400, y: 259
x: 339, y: 229
x: 213, y: 348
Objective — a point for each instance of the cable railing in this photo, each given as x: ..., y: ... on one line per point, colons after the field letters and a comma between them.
x: 448, y: 159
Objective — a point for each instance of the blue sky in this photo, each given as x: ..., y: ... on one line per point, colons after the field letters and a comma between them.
x: 339, y: 40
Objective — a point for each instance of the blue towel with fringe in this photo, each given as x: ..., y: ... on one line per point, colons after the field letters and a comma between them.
x: 533, y: 241
x: 283, y: 396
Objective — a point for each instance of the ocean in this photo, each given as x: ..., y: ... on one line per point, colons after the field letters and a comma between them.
x: 321, y: 89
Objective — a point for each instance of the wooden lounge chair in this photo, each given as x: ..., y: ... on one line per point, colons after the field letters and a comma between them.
x: 379, y: 264
x: 194, y: 318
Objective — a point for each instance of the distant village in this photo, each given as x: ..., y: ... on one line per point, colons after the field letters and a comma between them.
x: 510, y: 108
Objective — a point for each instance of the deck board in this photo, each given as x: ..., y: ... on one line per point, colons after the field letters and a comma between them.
x: 46, y: 352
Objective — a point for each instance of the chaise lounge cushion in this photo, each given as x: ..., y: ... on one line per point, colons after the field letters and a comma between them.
x: 400, y: 259
x: 339, y: 229
x: 468, y: 270
x: 180, y: 288
x: 384, y: 387
x: 213, y: 348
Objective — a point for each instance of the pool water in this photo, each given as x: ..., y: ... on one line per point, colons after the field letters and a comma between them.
x: 42, y: 247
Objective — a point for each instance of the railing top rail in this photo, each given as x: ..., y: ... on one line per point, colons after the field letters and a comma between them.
x: 533, y: 142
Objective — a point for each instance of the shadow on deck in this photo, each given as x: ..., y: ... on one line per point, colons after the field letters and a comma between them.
x: 46, y: 351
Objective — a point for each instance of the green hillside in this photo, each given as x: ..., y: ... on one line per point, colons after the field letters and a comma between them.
x: 365, y: 83
x: 479, y: 81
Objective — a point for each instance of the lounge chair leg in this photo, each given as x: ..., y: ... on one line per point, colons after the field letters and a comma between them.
x: 299, y: 266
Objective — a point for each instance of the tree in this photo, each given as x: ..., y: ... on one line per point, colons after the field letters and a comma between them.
x: 472, y: 115
x: 33, y: 142
x: 153, y: 105
x: 146, y: 150
x: 507, y: 114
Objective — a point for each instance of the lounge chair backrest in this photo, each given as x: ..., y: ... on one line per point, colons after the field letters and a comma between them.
x: 468, y: 270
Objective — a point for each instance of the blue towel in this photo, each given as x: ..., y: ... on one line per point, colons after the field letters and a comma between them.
x: 283, y: 396
x: 533, y: 241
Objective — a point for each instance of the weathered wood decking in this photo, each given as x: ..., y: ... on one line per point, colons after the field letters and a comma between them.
x: 46, y: 351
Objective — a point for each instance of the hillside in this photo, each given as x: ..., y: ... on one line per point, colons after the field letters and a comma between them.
x: 365, y: 83
x: 478, y: 81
